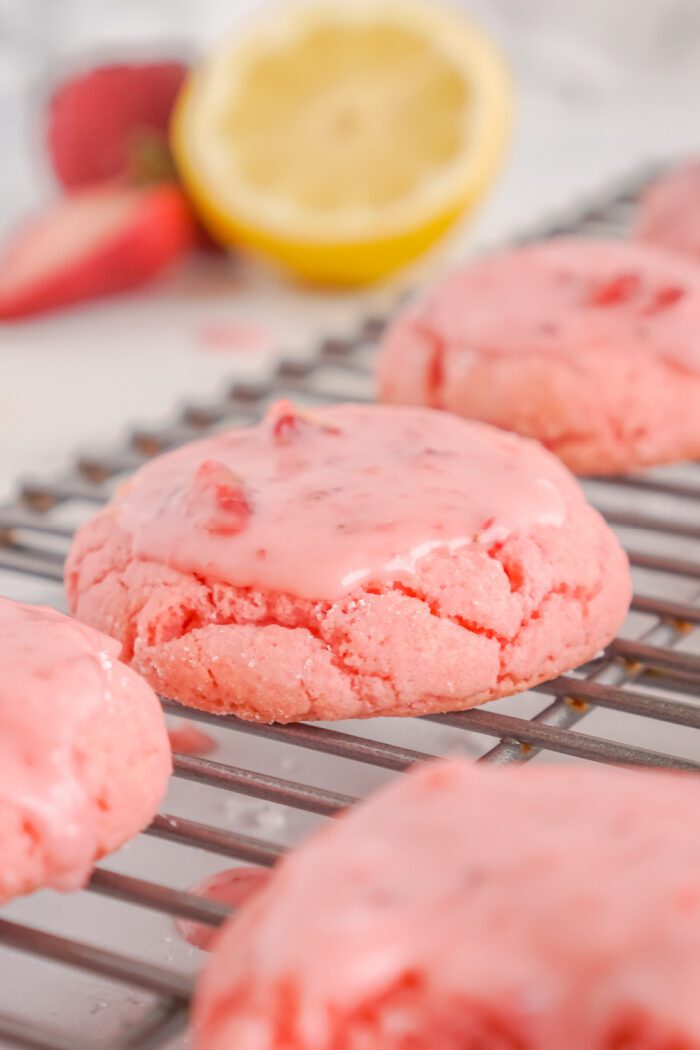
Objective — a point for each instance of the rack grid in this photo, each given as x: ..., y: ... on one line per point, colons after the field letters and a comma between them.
x: 649, y: 676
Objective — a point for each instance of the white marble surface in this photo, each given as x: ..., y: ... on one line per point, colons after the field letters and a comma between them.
x: 602, y: 87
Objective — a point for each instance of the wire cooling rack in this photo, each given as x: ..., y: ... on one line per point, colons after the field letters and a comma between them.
x: 640, y: 699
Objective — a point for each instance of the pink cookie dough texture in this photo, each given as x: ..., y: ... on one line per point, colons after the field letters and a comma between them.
x: 670, y: 212
x: 591, y: 347
x: 356, y: 561
x: 469, y: 908
x: 84, y: 755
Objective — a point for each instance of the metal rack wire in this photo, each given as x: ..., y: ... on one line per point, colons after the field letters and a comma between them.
x: 651, y: 673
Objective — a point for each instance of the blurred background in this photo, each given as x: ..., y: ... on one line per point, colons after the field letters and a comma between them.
x: 601, y: 88
x: 600, y: 85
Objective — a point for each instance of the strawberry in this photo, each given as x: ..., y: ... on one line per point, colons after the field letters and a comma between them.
x: 218, y: 498
x: 288, y: 423
x: 617, y: 290
x: 95, y: 242
x: 285, y: 421
x: 664, y: 298
x: 628, y: 287
x: 112, y: 122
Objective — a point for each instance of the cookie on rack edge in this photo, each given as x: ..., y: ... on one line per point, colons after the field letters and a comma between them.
x: 669, y: 211
x: 84, y: 754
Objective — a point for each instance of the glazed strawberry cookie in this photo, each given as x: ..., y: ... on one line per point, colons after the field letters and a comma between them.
x: 592, y: 347
x: 465, y: 907
x: 670, y: 212
x: 84, y: 755
x: 360, y: 560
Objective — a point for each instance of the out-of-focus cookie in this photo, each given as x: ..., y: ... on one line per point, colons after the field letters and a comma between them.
x: 592, y: 347
x: 469, y: 907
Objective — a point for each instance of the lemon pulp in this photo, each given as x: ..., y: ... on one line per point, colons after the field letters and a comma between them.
x: 342, y: 140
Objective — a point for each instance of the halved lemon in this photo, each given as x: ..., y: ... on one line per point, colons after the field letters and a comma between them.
x: 342, y: 138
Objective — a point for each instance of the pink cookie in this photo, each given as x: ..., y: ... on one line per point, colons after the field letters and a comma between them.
x: 468, y: 908
x: 356, y: 561
x: 670, y: 212
x: 591, y: 347
x: 84, y: 755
